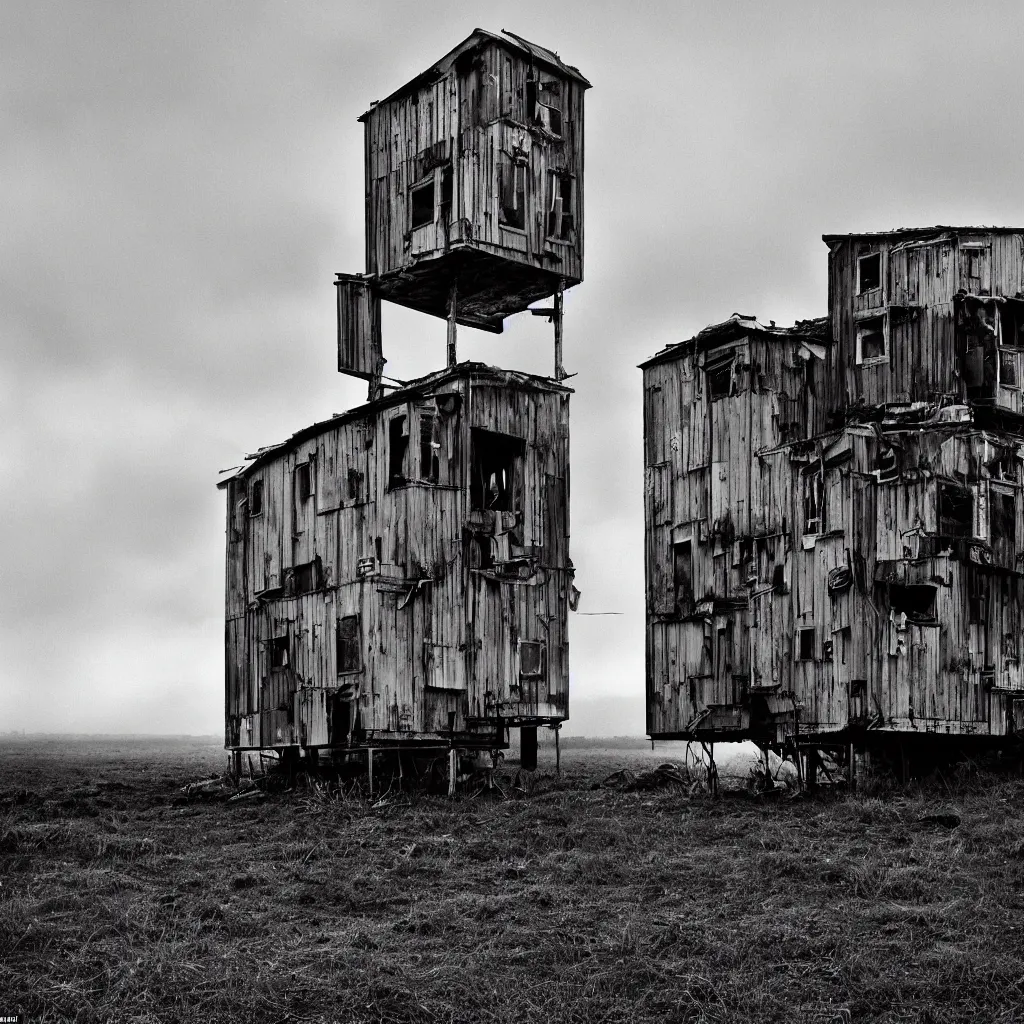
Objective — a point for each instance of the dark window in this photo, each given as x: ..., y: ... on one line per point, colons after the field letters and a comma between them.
x: 306, y: 578
x: 869, y: 272
x: 446, y: 192
x: 719, y: 378
x: 1002, y: 518
x: 429, y: 463
x: 813, y: 492
x: 398, y: 442
x: 421, y: 200
x: 549, y: 107
x: 303, y: 482
x: 495, y: 459
x: 916, y: 601
x: 279, y: 652
x: 871, y: 339
x: 512, y: 211
x: 807, y: 644
x: 349, y: 659
x: 531, y: 658
x: 531, y: 100
x: 355, y: 485
x: 560, y: 219
x: 256, y: 498
x: 682, y: 576
x: 956, y: 513
x: 1008, y: 369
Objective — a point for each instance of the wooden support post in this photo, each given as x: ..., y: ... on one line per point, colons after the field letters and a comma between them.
x: 558, y: 751
x: 369, y: 769
x: 851, y: 769
x: 453, y: 301
x: 560, y: 373
x: 453, y: 767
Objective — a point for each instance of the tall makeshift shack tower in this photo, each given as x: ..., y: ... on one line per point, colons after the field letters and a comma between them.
x: 399, y: 575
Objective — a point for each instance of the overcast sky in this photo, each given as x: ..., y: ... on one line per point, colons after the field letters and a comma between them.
x: 181, y: 181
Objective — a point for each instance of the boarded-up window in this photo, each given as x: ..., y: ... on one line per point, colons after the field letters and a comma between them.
x: 256, y: 498
x: 348, y: 653
x: 869, y: 272
x: 956, y: 514
x: 805, y: 651
x: 871, y: 339
x: 421, y: 204
x: 398, y: 443
x: 1008, y: 377
x: 682, y: 576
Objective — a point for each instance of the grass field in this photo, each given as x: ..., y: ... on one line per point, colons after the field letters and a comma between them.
x: 121, y: 901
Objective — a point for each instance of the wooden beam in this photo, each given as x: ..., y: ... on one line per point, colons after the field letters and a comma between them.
x: 453, y: 301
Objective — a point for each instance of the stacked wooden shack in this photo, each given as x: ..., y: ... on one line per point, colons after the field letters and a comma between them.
x: 835, y: 549
x: 399, y: 575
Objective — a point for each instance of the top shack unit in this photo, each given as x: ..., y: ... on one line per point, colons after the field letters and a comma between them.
x: 835, y: 548
x: 399, y: 575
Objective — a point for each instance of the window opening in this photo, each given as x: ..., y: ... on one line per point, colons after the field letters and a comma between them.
x: 869, y: 273
x: 421, y: 201
x: 348, y: 644
x: 306, y: 577
x: 303, y: 482
x: 871, y: 339
x: 447, y: 192
x: 719, y: 380
x: 512, y: 212
x: 549, y: 109
x: 682, y: 576
x: 256, y: 498
x: 1002, y: 518
x: 813, y: 493
x: 807, y: 644
x: 494, y: 462
x: 429, y: 462
x: 956, y: 515
x: 560, y: 218
x: 355, y: 485
x: 531, y: 659
x: 279, y: 652
x: 915, y: 600
x: 398, y: 442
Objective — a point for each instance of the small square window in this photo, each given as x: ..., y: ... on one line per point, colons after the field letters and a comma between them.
x: 279, y: 652
x: 256, y: 498
x: 720, y: 380
x: 871, y: 340
x: 531, y: 658
x: 807, y: 644
x: 869, y: 273
x: 306, y: 578
x: 1008, y: 369
x: 421, y: 202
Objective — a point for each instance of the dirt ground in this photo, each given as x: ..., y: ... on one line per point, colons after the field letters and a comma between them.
x: 124, y: 900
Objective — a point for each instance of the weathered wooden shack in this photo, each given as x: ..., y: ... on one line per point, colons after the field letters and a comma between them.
x: 835, y: 548
x: 400, y: 572
x: 399, y: 575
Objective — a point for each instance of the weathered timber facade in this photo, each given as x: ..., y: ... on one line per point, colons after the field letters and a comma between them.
x: 474, y: 181
x: 401, y: 571
x: 835, y: 542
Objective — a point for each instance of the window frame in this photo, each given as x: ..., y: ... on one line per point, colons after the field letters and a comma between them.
x: 802, y: 633
x: 355, y: 640
x: 862, y: 328
x: 542, y: 659
x: 256, y: 487
x: 861, y: 289
x: 427, y: 182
